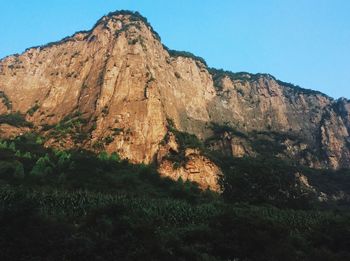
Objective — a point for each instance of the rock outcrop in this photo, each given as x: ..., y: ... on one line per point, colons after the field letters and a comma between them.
x: 196, y: 168
x: 114, y: 87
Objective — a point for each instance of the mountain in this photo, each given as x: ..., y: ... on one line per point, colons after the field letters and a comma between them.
x: 102, y: 133
x: 116, y: 88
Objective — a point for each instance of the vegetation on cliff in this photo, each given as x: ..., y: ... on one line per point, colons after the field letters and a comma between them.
x: 79, y: 205
x: 58, y: 204
x: 15, y: 119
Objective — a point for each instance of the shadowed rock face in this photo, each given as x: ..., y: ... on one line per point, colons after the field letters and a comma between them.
x: 114, y: 88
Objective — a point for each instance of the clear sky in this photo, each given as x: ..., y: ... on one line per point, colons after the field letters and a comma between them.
x: 306, y: 42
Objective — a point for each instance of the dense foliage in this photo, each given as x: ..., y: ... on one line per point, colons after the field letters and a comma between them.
x: 75, y: 205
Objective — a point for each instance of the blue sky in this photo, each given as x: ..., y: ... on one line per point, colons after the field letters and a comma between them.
x: 306, y: 42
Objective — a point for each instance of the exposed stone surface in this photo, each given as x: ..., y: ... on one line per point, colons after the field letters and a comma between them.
x: 335, y: 140
x: 197, y: 168
x: 9, y: 132
x: 125, y: 85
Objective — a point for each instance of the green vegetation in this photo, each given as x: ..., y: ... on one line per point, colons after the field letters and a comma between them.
x: 76, y: 205
x: 15, y: 119
x: 117, y: 131
x: 133, y: 41
x: 267, y: 144
x: 218, y: 74
x: 119, y: 227
x: 33, y: 109
x: 221, y: 129
x: 185, y: 141
x: 134, y: 17
x: 298, y: 89
x: 264, y: 180
x: 6, y: 101
x: 72, y: 125
x: 175, y: 53
x: 108, y: 140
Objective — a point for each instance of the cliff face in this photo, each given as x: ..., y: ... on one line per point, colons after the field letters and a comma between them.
x: 114, y: 87
x: 312, y: 127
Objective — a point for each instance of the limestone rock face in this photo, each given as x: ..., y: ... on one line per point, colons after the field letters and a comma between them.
x: 197, y: 168
x: 335, y: 138
x: 116, y: 85
x: 9, y: 132
x: 260, y: 103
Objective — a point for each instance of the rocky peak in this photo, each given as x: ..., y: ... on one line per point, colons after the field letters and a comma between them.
x: 115, y: 87
x: 122, y: 21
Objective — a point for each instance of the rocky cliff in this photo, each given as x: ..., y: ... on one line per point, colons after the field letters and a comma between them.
x: 116, y: 87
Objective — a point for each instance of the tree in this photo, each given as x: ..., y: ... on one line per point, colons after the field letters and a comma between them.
x: 114, y: 157
x: 42, y: 167
x: 18, y: 170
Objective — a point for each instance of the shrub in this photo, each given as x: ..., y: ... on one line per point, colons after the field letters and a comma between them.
x: 43, y: 167
x: 298, y: 89
x: 15, y: 119
x: 134, y: 17
x: 184, y: 139
x: 114, y: 157
x: 33, y: 109
x: 132, y: 41
x: 219, y: 129
x: 175, y: 53
x: 263, y: 180
x: 218, y: 74
x: 107, y: 140
x: 11, y: 169
x: 6, y: 101
x: 103, y: 156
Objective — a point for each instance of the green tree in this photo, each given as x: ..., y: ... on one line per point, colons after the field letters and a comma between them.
x: 27, y: 155
x: 114, y: 157
x: 42, y: 167
x: 103, y: 156
x: 63, y: 159
x: 12, y: 146
x: 3, y: 144
x: 18, y: 170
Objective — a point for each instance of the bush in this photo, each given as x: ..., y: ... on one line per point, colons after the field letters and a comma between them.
x: 33, y: 109
x: 184, y: 139
x: 221, y: 129
x: 15, y: 119
x: 298, y: 89
x: 11, y: 170
x: 6, y: 101
x: 78, y: 205
x: 134, y: 17
x: 264, y: 180
x: 175, y: 53
x: 218, y: 74
x: 43, y: 167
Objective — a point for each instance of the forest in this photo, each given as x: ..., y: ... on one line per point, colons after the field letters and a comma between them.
x: 77, y: 205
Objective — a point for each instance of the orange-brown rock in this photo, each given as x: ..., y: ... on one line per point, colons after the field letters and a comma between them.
x: 9, y: 132
x: 197, y: 168
x: 124, y: 85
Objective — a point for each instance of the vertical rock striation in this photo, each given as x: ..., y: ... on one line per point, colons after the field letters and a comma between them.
x: 117, y: 85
